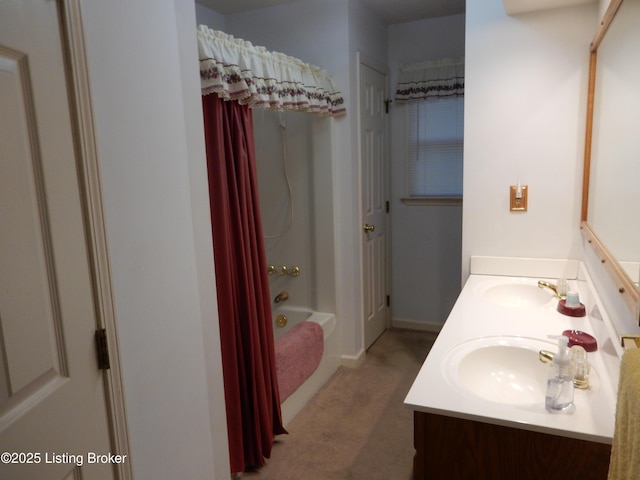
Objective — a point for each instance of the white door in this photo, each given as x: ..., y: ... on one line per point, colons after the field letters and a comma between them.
x: 373, y: 147
x: 53, y: 413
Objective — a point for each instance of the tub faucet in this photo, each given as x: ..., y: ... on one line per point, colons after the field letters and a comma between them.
x: 559, y: 290
x: 281, y: 297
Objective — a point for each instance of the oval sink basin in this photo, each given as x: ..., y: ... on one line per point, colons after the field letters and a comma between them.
x: 517, y: 295
x: 500, y: 369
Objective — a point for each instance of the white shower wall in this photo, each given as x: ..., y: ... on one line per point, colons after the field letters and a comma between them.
x: 298, y: 226
x: 285, y: 220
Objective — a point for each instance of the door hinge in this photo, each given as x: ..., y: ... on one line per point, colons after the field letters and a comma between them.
x: 388, y: 300
x: 387, y: 206
x: 386, y: 105
x: 102, y: 349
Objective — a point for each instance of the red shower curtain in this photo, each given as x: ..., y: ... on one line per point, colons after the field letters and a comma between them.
x: 244, y: 306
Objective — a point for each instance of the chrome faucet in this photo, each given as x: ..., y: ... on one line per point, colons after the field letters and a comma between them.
x: 559, y: 290
x: 281, y: 297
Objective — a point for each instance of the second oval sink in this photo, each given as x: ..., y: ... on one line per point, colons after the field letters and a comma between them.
x: 515, y: 294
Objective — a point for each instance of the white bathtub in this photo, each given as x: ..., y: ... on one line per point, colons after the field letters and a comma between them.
x: 328, y: 365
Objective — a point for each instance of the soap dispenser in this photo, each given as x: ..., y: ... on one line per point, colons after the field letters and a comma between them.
x: 559, y: 397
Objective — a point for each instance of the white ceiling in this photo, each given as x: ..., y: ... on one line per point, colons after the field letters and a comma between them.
x: 389, y: 11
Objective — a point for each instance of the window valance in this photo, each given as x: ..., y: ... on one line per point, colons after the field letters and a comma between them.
x: 235, y: 69
x: 439, y: 78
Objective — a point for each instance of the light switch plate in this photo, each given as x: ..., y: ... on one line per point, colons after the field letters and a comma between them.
x: 518, y: 204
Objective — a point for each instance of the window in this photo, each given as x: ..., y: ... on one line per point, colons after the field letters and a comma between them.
x: 435, y: 134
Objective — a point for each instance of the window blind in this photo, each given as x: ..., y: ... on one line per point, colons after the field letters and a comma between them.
x: 435, y: 137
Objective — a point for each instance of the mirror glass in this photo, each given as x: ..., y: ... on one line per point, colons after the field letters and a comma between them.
x: 614, y: 186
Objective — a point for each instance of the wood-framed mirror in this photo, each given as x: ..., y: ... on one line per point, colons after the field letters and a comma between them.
x: 610, y: 219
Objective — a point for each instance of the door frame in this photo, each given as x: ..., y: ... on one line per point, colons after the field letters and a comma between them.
x: 84, y: 139
x: 363, y: 59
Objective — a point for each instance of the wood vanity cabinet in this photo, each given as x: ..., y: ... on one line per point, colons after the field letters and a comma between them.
x: 450, y: 448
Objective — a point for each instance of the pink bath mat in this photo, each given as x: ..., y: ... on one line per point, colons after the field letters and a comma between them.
x: 298, y: 354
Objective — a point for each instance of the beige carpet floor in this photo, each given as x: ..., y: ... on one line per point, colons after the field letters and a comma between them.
x: 356, y: 427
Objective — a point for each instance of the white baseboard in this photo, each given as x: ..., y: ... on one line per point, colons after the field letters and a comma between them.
x: 353, y: 361
x: 416, y: 325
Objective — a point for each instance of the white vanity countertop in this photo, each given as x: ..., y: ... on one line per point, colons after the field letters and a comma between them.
x: 474, y: 316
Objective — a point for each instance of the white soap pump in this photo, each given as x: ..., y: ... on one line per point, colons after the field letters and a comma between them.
x: 559, y: 397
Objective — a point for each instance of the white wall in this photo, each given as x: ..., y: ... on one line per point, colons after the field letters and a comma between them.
x: 202, y: 237
x: 150, y: 148
x: 427, y: 239
x: 602, y: 7
x: 525, y: 105
x: 210, y: 18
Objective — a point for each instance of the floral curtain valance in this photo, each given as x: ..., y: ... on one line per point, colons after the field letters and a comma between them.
x: 237, y: 70
x: 440, y: 78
